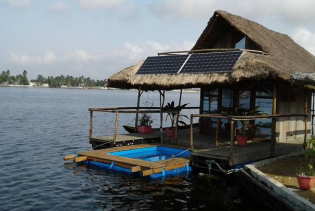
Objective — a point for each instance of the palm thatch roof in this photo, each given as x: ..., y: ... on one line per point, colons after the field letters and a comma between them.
x: 284, y: 57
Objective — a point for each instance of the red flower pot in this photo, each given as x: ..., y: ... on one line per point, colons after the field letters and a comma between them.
x: 144, y: 129
x: 305, y: 182
x: 241, y: 140
x: 170, y: 131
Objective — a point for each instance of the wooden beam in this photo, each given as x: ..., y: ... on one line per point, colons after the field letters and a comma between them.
x: 306, y: 117
x: 91, y: 125
x: 191, y: 131
x: 81, y: 159
x: 166, y: 168
x: 177, y: 116
x: 69, y: 157
x: 217, y: 132
x: 116, y: 127
x: 138, y: 105
x: 273, y: 137
x: 232, y: 142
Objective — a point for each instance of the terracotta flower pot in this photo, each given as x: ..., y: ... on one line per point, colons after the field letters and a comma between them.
x: 305, y: 182
x: 170, y: 131
x: 144, y: 129
x: 241, y: 140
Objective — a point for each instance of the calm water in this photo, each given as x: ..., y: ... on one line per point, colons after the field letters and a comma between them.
x: 40, y: 126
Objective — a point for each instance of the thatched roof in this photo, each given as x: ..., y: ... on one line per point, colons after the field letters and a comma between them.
x: 284, y: 58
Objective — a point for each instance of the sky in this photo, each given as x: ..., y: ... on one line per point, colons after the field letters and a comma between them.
x: 97, y: 38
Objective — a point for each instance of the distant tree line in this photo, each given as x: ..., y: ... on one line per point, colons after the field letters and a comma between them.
x: 68, y: 81
x: 6, y: 78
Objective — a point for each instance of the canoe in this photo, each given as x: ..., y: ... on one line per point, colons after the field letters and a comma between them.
x: 131, y: 129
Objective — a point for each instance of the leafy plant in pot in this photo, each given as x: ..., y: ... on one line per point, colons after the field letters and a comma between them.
x: 306, y: 172
x: 145, y: 122
x: 171, y: 114
x: 245, y: 132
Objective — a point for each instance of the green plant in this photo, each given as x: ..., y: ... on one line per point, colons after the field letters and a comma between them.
x: 145, y: 120
x: 307, y: 163
x: 247, y: 128
x: 172, y: 110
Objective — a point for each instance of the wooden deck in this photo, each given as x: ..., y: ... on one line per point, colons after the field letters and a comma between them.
x: 253, y: 151
x: 126, y: 139
x: 135, y: 165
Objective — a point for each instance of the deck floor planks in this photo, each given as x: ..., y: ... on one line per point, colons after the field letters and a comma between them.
x: 101, y: 156
x: 250, y: 152
x: 127, y: 137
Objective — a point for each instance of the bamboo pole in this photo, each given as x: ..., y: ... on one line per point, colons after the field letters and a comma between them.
x: 91, y: 125
x: 232, y: 142
x: 177, y: 116
x: 116, y: 127
x: 191, y: 131
x: 138, y: 105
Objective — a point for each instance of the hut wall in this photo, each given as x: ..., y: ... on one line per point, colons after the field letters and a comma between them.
x: 292, y: 102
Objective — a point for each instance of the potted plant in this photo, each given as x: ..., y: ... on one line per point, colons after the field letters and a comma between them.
x: 306, y: 172
x: 171, y: 114
x: 246, y: 132
x: 145, y: 122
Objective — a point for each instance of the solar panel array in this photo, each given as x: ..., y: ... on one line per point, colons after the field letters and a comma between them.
x: 194, y: 63
x: 162, y: 64
x: 211, y: 62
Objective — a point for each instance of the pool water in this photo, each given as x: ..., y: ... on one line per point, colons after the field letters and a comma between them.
x: 152, y: 154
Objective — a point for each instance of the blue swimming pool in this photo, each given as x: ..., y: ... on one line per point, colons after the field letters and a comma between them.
x: 152, y: 154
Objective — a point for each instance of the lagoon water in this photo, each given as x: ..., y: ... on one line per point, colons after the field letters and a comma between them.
x: 38, y: 126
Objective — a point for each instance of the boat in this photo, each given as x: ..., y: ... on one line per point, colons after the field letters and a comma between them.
x: 131, y: 129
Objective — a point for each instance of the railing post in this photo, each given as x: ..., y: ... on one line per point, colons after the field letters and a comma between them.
x: 91, y: 125
x: 176, y: 127
x: 273, y: 136
x: 116, y: 127
x: 232, y: 142
x: 305, y: 118
x: 191, y: 131
x: 217, y: 132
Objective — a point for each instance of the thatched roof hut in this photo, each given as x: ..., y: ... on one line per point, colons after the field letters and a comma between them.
x: 281, y: 58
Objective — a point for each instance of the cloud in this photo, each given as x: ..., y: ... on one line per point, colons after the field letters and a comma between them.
x: 47, y: 58
x: 305, y: 38
x: 59, y: 7
x: 97, y: 4
x: 291, y: 11
x: 17, y: 3
x: 84, y: 56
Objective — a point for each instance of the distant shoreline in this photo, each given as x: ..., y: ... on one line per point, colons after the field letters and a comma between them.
x: 92, y: 88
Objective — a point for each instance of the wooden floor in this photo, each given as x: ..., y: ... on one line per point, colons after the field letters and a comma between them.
x: 253, y: 151
x: 128, y: 137
x: 135, y: 165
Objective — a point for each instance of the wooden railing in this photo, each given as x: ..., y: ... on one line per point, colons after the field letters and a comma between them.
x: 131, y: 110
x: 234, y: 120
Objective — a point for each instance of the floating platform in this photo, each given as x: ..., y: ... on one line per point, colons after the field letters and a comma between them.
x: 154, y: 160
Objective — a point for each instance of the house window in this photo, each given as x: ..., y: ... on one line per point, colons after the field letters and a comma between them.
x: 241, y: 44
x: 264, y: 101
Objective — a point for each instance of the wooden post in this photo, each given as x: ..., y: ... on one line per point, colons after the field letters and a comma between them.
x: 217, y: 132
x: 305, y: 118
x: 177, y: 116
x: 273, y: 136
x: 161, y: 114
x: 273, y: 122
x: 91, y: 125
x: 232, y: 142
x: 138, y: 104
x: 191, y: 131
x: 116, y: 127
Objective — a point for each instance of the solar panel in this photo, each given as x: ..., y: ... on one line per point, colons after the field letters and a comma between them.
x: 211, y: 62
x: 162, y: 64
